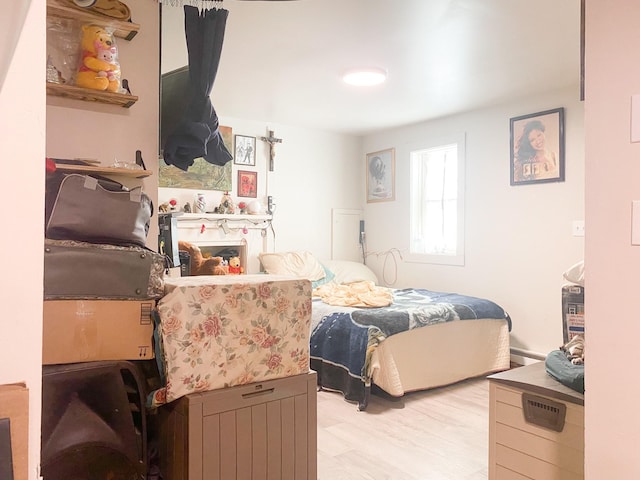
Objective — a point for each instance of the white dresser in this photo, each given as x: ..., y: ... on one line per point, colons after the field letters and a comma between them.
x: 536, y: 427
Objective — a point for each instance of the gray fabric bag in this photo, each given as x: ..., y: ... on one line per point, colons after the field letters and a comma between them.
x: 86, y: 210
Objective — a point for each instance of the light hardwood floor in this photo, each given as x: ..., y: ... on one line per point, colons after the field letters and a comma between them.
x: 439, y: 434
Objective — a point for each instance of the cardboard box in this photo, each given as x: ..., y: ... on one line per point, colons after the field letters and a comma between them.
x: 14, y: 405
x: 572, y: 311
x: 90, y: 330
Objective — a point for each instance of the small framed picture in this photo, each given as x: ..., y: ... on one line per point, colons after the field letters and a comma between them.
x: 537, y: 147
x: 245, y: 150
x: 381, y: 176
x: 247, y: 184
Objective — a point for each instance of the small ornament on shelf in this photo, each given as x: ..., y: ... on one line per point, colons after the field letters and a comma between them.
x: 200, y: 205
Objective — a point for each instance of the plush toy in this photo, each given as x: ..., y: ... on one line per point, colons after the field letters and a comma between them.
x: 99, y: 68
x: 109, y: 55
x: 234, y: 266
x: 199, y: 264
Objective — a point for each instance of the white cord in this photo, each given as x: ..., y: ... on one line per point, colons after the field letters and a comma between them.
x: 391, y: 253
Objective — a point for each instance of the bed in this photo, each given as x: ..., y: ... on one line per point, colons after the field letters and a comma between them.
x: 421, y: 340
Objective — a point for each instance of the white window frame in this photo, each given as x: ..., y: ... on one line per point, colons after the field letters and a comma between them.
x: 456, y: 259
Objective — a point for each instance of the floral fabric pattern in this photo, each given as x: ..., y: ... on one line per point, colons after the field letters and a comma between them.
x: 214, y: 334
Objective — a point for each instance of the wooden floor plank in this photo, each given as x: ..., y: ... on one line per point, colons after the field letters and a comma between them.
x: 439, y: 434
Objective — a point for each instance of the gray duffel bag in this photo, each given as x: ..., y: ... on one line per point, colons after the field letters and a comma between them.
x: 91, y: 210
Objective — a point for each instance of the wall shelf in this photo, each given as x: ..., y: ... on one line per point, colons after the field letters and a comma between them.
x: 124, y: 172
x: 122, y: 29
x: 88, y: 95
x: 196, y: 217
x: 127, y: 30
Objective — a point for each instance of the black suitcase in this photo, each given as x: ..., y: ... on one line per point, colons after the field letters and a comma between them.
x: 80, y: 270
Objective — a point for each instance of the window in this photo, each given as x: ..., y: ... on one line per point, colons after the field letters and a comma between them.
x: 437, y: 202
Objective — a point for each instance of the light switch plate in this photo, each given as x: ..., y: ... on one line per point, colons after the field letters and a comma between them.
x: 635, y: 222
x: 635, y: 118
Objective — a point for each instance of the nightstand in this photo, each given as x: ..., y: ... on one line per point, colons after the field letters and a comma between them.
x: 536, y: 426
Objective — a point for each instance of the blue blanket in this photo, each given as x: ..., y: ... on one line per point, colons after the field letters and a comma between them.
x: 342, y: 342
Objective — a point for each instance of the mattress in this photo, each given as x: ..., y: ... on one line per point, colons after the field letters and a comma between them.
x: 424, y: 339
x: 219, y: 331
x: 452, y: 351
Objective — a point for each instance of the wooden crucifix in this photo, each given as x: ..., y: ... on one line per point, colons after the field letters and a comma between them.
x: 271, y: 140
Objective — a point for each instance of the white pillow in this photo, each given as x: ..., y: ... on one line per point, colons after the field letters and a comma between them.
x: 300, y: 264
x: 346, y: 271
x: 575, y: 274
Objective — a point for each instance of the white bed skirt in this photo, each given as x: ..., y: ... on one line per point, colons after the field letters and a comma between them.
x: 439, y: 355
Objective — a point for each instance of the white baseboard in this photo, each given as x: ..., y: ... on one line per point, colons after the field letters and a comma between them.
x: 525, y: 357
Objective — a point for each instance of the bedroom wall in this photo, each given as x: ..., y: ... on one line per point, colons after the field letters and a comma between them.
x: 22, y: 105
x: 518, y: 240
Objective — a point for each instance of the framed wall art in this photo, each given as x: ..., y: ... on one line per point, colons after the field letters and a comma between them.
x: 537, y: 147
x: 202, y: 175
x: 381, y: 173
x: 245, y: 150
x: 247, y: 184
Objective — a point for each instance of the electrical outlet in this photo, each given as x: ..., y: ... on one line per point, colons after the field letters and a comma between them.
x: 577, y: 228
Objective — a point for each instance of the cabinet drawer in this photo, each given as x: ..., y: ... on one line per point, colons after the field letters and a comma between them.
x: 506, y: 474
x: 563, y: 456
x: 521, y: 449
x: 531, y: 467
x: 508, y: 405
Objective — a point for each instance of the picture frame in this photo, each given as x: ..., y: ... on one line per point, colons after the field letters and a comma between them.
x: 244, y: 150
x: 247, y: 184
x: 537, y: 147
x: 381, y: 175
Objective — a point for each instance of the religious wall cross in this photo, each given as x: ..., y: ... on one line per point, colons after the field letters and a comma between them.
x: 271, y: 140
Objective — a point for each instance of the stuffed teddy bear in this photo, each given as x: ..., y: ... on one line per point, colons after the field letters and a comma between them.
x: 199, y: 264
x: 234, y: 266
x: 98, y: 68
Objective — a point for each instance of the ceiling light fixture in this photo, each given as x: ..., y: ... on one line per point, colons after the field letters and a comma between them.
x: 365, y: 77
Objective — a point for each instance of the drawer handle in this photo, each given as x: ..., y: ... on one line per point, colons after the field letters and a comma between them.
x: 543, y: 412
x: 255, y: 394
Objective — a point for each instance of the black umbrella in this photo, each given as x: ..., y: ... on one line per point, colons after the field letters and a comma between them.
x: 198, y: 134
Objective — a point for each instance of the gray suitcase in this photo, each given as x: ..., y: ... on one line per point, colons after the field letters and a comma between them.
x: 80, y: 270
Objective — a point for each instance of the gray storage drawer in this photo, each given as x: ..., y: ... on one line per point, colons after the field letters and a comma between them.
x: 263, y: 430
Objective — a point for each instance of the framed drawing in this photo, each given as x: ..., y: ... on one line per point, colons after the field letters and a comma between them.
x: 247, y: 184
x: 537, y: 147
x: 381, y: 172
x: 245, y: 150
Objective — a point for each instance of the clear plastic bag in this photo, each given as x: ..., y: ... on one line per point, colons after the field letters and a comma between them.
x: 62, y: 50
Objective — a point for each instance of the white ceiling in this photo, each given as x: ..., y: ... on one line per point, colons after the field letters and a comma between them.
x: 282, y: 61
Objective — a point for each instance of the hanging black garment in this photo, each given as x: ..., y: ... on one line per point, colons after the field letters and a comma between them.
x: 198, y: 134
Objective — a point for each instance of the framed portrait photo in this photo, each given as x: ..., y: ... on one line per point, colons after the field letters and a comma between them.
x: 247, y: 184
x: 537, y: 147
x: 381, y: 172
x: 244, y: 150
